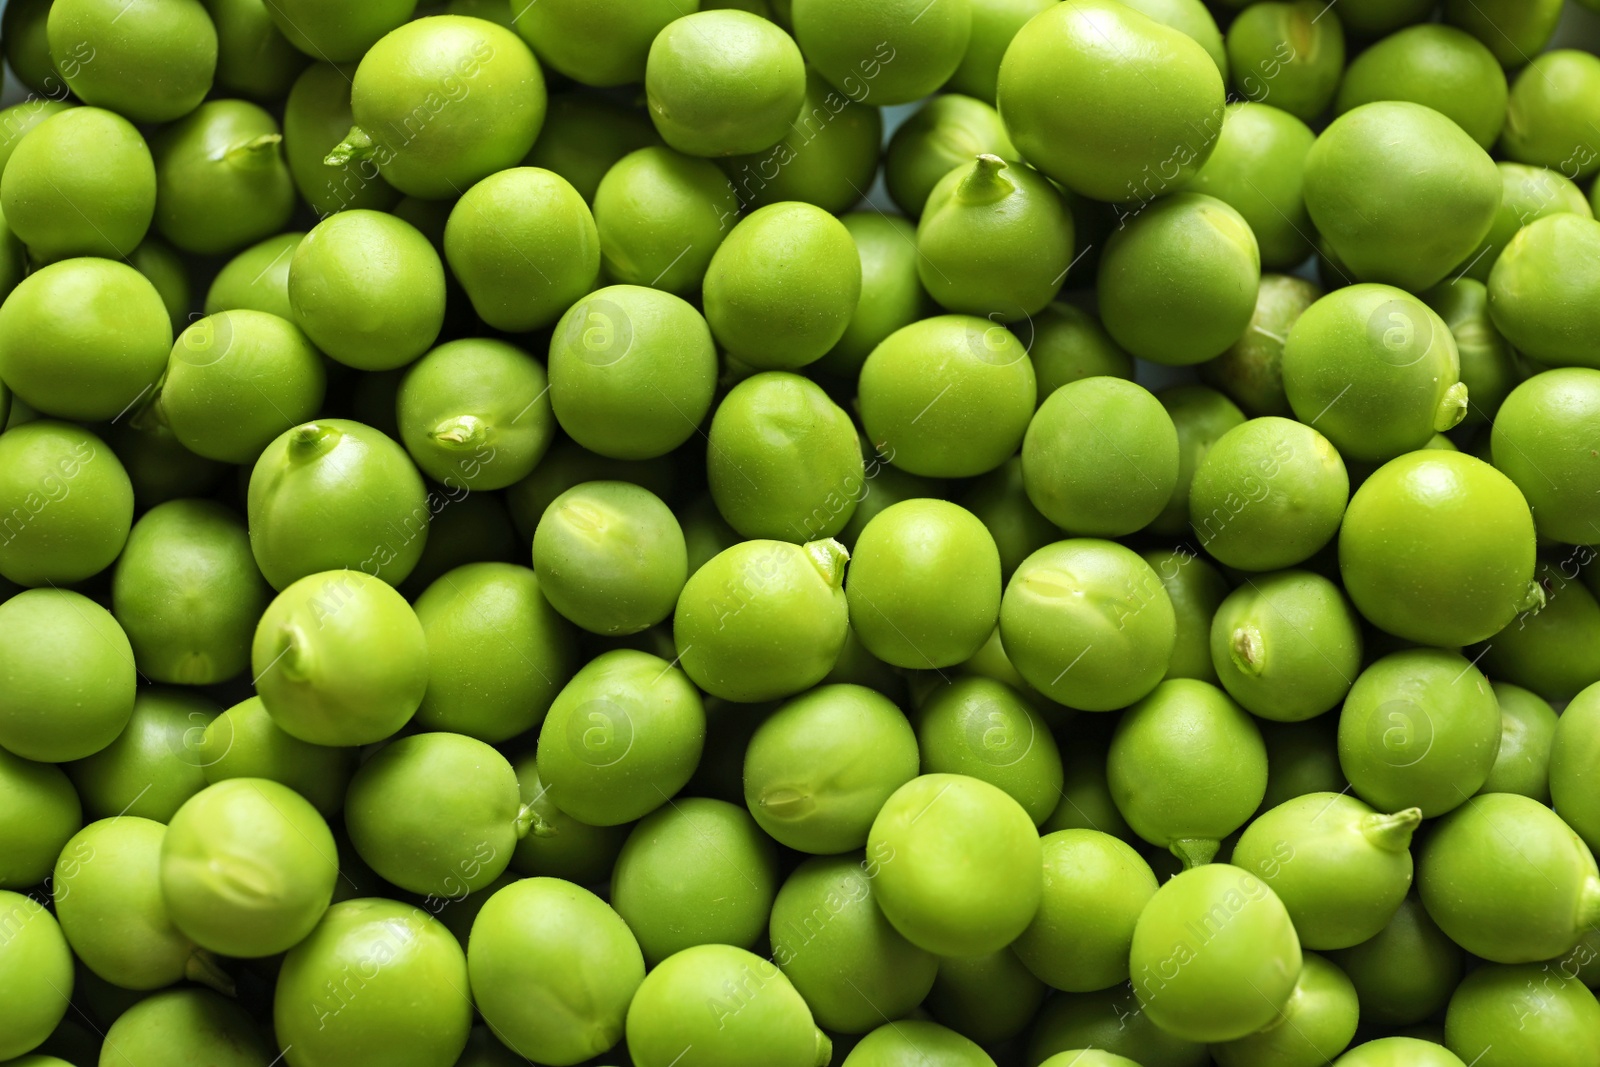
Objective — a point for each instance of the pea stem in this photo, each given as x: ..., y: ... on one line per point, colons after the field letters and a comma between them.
x: 1247, y: 651
x: 1452, y: 408
x: 256, y: 153
x: 468, y: 431
x: 202, y: 967
x: 312, y: 441
x: 1392, y: 833
x: 528, y: 821
x: 357, y: 144
x: 1195, y: 851
x: 829, y: 557
x: 824, y: 1049
x: 985, y: 184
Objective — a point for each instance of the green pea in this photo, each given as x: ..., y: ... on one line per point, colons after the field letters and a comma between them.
x: 1506, y: 879
x: 660, y: 216
x: 35, y: 973
x: 1070, y: 344
x: 1109, y: 1020
x: 193, y: 1024
x: 158, y: 467
x: 1397, y: 1051
x: 1527, y: 195
x: 316, y: 116
x: 995, y: 240
x: 68, y: 690
x: 368, y: 289
x: 303, y: 480
x: 1251, y: 370
x: 553, y: 969
x: 1490, y: 369
x: 1536, y: 441
x: 567, y: 465
x: 244, y: 742
x: 1212, y: 768
x: 828, y: 158
x: 1126, y: 72
x: 1576, y: 740
x: 557, y: 845
x: 1528, y: 729
x: 155, y: 764
x: 1194, y: 20
x: 893, y: 53
x: 1286, y: 646
x: 1502, y: 1015
x: 1440, y: 67
x: 946, y: 132
x: 1201, y: 416
x: 247, y: 867
x: 602, y: 43
x: 41, y: 812
x: 986, y: 730
x: 1258, y: 168
x: 976, y: 909
x: 621, y: 738
x: 1552, y: 651
x: 237, y: 380
x: 1401, y: 193
x: 465, y: 528
x: 717, y: 1006
x: 632, y: 371
x: 1538, y: 317
x: 1316, y: 1024
x: 66, y: 502
x: 339, y: 658
x: 221, y: 179
x: 1196, y: 590
x: 999, y: 501
x: 1512, y: 31
x: 584, y: 135
x: 1419, y: 728
x: 1290, y: 55
x: 84, y: 185
x: 256, y: 279
x: 994, y: 24
x: 436, y: 813
x: 1405, y: 973
x: 1088, y: 624
x: 254, y: 58
x: 916, y: 1041
x: 1580, y: 962
x: 155, y: 67
x: 18, y: 120
x: 376, y: 983
x: 947, y: 397
x: 1550, y: 114
x: 524, y: 246
x: 1214, y: 956
x: 27, y: 48
x: 1095, y: 886
x: 986, y: 999
x: 1087, y: 1058
x: 1427, y: 582
x: 83, y: 339
x: 163, y: 268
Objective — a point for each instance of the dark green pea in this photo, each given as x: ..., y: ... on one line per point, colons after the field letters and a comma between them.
x: 916, y: 1041
x: 338, y: 32
x: 155, y: 67
x: 160, y: 468
x: 1251, y: 370
x: 436, y: 813
x: 1069, y: 344
x: 946, y: 132
x: 368, y: 289
x: 163, y: 268
x: 1101, y: 457
x: 83, y: 185
x: 244, y: 742
x: 1086, y: 802
x: 1212, y: 761
x: 465, y: 528
x: 817, y: 771
x: 256, y: 279
x: 27, y: 48
x: 783, y: 460
x: 179, y: 1024
x: 1401, y: 193
x: 155, y: 764
x: 1406, y: 972
x: 221, y: 179
x: 986, y: 730
x: 1258, y: 168
x: 1508, y: 880
x: 1551, y: 111
x: 497, y: 652
x: 1201, y: 416
x: 1514, y: 32
x: 1287, y: 646
x: 660, y: 216
x: 883, y: 487
x: 1503, y: 1015
x: 557, y: 845
x: 565, y: 466
x: 621, y: 738
x: 1577, y: 739
x: 828, y: 158
x: 632, y: 371
x: 1204, y: 242
x: 1490, y: 368
x: 596, y: 43
x: 830, y: 939
x: 986, y: 999
x: 1527, y: 733
x: 1318, y: 1023
x: 1113, y: 1021
x: 254, y: 59
x: 237, y: 380
x: 1302, y: 757
x: 947, y: 397
x: 18, y: 120
x: 1289, y: 55
x: 66, y: 504
x: 1527, y: 195
x: 1000, y: 502
x: 524, y: 246
x: 705, y: 532
x: 1098, y: 659
x: 1094, y: 889
x: 585, y: 135
x: 856, y: 47
x: 610, y: 557
x: 1441, y: 67
x: 80, y: 339
x: 315, y: 117
x: 39, y: 812
x: 413, y: 1008
x: 715, y: 1004
x: 1196, y: 590
x: 1554, y: 651
x: 994, y: 24
x: 695, y: 872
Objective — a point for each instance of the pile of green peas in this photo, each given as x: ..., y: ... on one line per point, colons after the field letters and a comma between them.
x: 718, y: 533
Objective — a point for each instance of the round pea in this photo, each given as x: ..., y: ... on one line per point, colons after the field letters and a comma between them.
x: 256, y: 279
x: 1512, y: 31
x: 1538, y: 290
x: 1527, y: 734
x: 1405, y: 972
x: 661, y: 216
x: 602, y: 43
x: 828, y: 158
x: 339, y: 658
x: 1258, y: 168
x: 1440, y: 67
x: 897, y: 51
x: 27, y: 48
x: 1550, y: 113
x: 1288, y: 54
x: 341, y: 31
x: 67, y: 504
x: 1251, y: 370
x: 68, y: 687
x: 180, y: 1024
x: 244, y: 742
x: 1555, y: 651
x: 154, y: 67
x: 916, y: 1041
x: 1196, y: 590
x: 1000, y: 502
x: 1394, y: 1051
x: 995, y: 23
x: 557, y: 845
x: 316, y: 116
x: 891, y: 290
x: 947, y: 397
x: 41, y: 812
x: 1113, y: 1021
x: 254, y: 58
x: 154, y: 765
x: 1286, y: 646
x: 585, y: 135
x: 1577, y: 738
x: 632, y: 372
x: 35, y: 972
x: 946, y: 132
x: 984, y: 729
x: 1537, y: 442
x: 1490, y: 368
x: 1501, y: 1015
x: 1070, y: 344
x: 221, y: 179
x: 1317, y: 1023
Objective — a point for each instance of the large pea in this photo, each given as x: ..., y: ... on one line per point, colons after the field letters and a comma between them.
x: 244, y: 742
